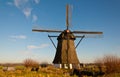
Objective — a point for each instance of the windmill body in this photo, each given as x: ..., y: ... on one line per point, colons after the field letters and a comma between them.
x: 66, y: 55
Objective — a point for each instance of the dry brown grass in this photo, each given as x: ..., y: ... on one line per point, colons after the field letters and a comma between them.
x: 49, y: 71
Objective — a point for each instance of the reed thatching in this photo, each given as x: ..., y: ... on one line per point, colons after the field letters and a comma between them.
x: 66, y: 53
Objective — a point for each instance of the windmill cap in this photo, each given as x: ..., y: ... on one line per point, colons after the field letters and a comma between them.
x: 66, y: 34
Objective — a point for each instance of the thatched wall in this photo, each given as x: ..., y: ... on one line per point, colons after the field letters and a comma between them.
x: 66, y: 53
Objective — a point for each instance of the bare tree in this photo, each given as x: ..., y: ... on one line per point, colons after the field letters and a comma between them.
x: 111, y: 62
x: 30, y: 63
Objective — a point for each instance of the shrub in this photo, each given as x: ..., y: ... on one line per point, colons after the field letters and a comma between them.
x: 44, y: 64
x: 31, y: 63
x: 20, y: 67
x: 111, y: 62
x: 1, y: 67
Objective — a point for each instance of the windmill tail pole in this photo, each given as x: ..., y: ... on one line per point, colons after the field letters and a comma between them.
x: 80, y: 41
x: 52, y: 41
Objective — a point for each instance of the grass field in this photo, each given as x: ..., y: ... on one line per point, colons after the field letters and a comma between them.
x: 50, y: 71
x: 42, y: 72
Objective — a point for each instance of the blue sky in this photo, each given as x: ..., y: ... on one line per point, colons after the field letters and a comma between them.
x: 18, y: 17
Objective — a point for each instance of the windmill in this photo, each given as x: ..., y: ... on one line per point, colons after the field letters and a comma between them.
x: 66, y: 55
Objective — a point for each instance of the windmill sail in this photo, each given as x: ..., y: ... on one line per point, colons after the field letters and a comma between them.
x: 87, y: 32
x: 46, y: 30
x: 67, y: 16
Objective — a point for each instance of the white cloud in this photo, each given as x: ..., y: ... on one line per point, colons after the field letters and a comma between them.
x: 30, y: 47
x: 9, y: 3
x: 16, y: 3
x: 23, y: 5
x: 35, y: 18
x: 25, y: 52
x: 37, y: 1
x: 20, y: 3
x: 27, y: 11
x: 18, y: 37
